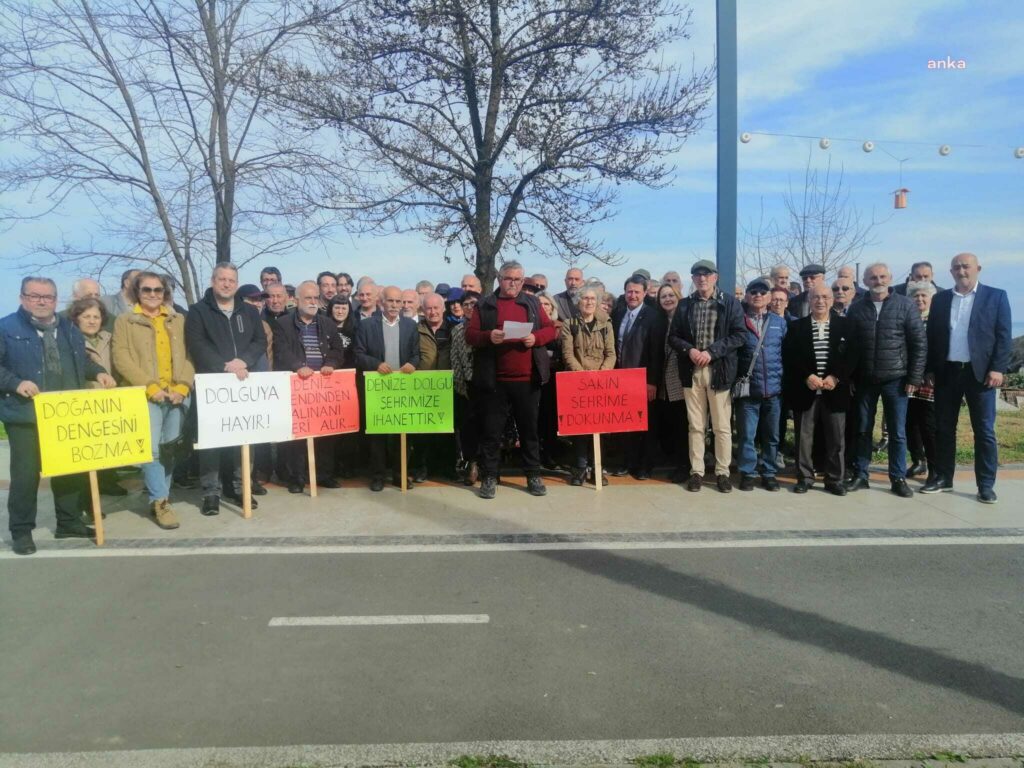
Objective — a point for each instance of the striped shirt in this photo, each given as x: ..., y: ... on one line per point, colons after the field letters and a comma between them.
x: 819, y: 338
x: 310, y: 337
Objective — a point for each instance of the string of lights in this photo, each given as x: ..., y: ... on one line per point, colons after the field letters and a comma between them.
x: 869, y: 146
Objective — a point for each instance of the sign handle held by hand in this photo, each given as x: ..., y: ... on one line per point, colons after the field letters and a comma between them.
x: 246, y: 484
x: 405, y: 463
x: 598, y: 477
x: 97, y: 512
x: 311, y: 454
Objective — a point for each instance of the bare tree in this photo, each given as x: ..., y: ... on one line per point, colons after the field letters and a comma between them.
x: 136, y: 106
x: 821, y: 226
x: 499, y: 123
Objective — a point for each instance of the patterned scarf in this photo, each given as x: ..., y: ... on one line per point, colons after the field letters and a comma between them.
x: 51, y: 354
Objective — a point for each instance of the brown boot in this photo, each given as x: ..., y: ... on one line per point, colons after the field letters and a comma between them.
x: 164, y: 515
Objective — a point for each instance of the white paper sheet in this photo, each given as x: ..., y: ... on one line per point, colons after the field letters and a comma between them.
x: 514, y: 330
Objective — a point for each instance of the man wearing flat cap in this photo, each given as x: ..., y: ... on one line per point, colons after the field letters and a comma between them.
x: 810, y: 275
x: 757, y: 414
x: 707, y: 330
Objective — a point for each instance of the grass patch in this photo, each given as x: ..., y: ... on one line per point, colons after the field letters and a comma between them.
x: 485, y: 761
x: 1009, y: 437
x: 657, y: 760
x: 942, y: 757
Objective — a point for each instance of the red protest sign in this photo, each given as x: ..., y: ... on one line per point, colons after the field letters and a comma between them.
x: 601, y: 401
x: 325, y: 405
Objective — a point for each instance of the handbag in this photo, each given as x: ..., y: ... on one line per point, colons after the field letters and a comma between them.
x: 741, y: 387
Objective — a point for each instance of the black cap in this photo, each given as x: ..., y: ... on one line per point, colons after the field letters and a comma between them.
x: 250, y: 291
x: 759, y: 282
x: 812, y: 269
x: 704, y: 265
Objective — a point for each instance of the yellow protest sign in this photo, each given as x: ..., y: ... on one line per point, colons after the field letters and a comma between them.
x: 86, y: 429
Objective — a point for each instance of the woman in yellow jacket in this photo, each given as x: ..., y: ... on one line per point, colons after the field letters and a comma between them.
x: 149, y: 351
x: 588, y: 344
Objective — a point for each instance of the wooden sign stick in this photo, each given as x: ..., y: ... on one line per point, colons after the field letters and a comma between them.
x: 405, y: 461
x: 311, y: 454
x: 97, y: 512
x: 598, y: 477
x: 246, y: 484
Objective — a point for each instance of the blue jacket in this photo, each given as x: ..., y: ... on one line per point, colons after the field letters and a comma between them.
x: 766, y: 377
x: 989, y: 333
x: 21, y: 358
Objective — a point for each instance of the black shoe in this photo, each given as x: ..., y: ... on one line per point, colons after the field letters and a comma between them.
x: 22, y: 544
x: 488, y: 488
x: 397, y: 482
x: 419, y: 475
x: 186, y: 482
x: 770, y: 483
x: 641, y: 474
x: 987, y: 496
x: 937, y: 485
x: 260, y: 477
x: 112, y: 489
x: 258, y: 489
x: 836, y: 489
x: 917, y: 468
x: 235, y: 497
x: 695, y: 483
x: 79, y: 531
x: 576, y: 476
x: 901, y: 489
x: 377, y: 484
x: 211, y: 506
x: 618, y: 471
x: 591, y: 477
x: 680, y: 476
x: 881, y: 446
x: 294, y: 487
x: 857, y: 484
x: 746, y: 482
x: 535, y: 485
x: 802, y: 486
x: 724, y: 483
x: 329, y: 482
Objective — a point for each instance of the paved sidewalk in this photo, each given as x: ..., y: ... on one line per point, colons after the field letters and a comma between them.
x: 626, y: 508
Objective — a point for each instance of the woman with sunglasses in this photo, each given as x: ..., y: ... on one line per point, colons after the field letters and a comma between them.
x: 149, y: 351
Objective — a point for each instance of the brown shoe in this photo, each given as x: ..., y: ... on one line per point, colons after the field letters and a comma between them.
x: 164, y: 515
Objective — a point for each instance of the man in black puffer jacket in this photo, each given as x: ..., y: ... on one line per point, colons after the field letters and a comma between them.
x: 887, y: 332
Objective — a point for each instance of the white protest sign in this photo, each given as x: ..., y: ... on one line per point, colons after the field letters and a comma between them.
x: 257, y: 409
x: 515, y: 330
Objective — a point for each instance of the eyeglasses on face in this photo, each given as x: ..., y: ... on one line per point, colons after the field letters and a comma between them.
x: 758, y: 292
x: 47, y: 297
x: 158, y: 290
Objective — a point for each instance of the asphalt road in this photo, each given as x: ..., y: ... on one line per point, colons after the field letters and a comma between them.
x: 154, y: 652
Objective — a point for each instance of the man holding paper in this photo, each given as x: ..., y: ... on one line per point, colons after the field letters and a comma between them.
x: 509, y: 332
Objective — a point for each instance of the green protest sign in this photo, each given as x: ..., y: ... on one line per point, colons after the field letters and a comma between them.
x: 414, y: 403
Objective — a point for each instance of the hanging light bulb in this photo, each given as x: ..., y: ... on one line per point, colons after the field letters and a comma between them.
x: 825, y: 143
x: 868, y: 146
x: 745, y: 137
x: 1019, y: 153
x: 945, y: 149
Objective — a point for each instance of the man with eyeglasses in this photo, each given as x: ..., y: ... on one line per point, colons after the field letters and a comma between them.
x: 810, y: 275
x: 707, y: 330
x: 843, y: 294
x: 41, y: 352
x: 509, y: 372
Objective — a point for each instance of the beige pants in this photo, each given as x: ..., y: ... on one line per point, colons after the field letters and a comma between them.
x: 700, y: 398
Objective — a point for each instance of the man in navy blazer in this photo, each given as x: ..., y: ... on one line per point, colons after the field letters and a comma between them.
x: 968, y: 352
x: 388, y: 344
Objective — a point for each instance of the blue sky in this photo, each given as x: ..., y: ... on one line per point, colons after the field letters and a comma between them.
x: 813, y: 67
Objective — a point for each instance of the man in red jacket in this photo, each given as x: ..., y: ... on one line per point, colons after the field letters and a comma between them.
x: 509, y: 369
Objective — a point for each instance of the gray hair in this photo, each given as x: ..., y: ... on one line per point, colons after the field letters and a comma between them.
x: 424, y: 284
x: 922, y: 286
x: 777, y: 270
x: 220, y: 266
x: 508, y: 266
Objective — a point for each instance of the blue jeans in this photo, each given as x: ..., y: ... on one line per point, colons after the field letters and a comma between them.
x: 894, y: 403
x: 953, y: 383
x: 758, y: 422
x: 165, y: 422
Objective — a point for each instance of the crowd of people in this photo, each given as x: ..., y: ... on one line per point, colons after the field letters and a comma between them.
x: 720, y: 366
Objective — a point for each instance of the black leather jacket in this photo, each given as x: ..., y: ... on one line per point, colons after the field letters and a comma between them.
x: 890, y: 344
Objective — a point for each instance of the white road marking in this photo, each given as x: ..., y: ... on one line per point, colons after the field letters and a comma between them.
x: 833, y: 748
x: 388, y: 549
x: 369, y: 621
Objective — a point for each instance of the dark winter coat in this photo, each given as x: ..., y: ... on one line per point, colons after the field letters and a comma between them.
x: 799, y: 362
x: 290, y: 355
x: 212, y: 340
x: 890, y: 345
x: 730, y: 333
x: 766, y: 376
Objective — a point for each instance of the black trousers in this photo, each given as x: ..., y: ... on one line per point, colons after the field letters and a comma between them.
x: 921, y: 431
x: 70, y: 492
x: 524, y: 398
x: 832, y: 426
x: 384, y: 453
x: 467, y: 428
x: 220, y: 468
x: 673, y: 427
x: 297, y: 459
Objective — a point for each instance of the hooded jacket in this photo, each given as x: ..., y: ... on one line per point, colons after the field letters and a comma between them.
x: 212, y: 340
